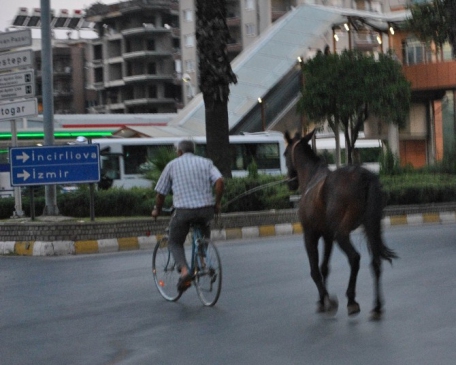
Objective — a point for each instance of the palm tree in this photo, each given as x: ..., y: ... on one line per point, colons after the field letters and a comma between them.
x: 215, y: 77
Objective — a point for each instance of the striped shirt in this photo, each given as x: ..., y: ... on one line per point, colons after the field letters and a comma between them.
x: 191, y: 179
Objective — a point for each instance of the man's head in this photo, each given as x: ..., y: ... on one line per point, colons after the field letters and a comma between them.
x: 184, y: 146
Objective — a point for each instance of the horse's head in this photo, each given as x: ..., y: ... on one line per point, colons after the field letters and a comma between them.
x: 294, y: 144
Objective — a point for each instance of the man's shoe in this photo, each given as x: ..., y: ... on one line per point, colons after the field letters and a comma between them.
x: 184, y: 282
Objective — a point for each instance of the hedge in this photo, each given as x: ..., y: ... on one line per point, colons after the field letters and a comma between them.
x: 241, y: 194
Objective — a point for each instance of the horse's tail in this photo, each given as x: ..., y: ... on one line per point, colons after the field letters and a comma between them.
x: 373, y: 221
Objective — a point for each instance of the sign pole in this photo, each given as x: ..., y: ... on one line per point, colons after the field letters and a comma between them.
x: 50, y: 208
x: 18, y: 212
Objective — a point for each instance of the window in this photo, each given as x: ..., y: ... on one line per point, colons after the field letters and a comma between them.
x: 415, y: 52
x: 151, y: 44
x: 190, y: 66
x: 178, y: 66
x: 153, y: 91
x: 110, y: 166
x: 151, y: 68
x: 249, y: 5
x: 188, y: 15
x: 250, y: 30
x: 266, y: 155
x: 189, y: 40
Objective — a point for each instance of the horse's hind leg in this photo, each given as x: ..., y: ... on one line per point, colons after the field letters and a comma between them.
x: 377, y: 312
x: 353, y: 259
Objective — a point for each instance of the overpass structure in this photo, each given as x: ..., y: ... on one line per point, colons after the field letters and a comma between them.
x: 269, y: 68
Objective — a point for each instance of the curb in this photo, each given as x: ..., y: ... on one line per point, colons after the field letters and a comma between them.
x: 60, y: 248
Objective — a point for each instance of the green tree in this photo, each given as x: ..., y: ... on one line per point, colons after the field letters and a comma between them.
x: 154, y: 166
x: 216, y: 75
x: 344, y: 89
x: 434, y: 22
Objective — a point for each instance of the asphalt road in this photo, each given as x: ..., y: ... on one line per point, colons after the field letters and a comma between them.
x: 104, y: 309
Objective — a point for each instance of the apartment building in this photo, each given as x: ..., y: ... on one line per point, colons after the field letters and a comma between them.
x: 68, y: 56
x: 145, y: 59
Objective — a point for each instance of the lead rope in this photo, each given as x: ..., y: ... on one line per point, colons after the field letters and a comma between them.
x: 248, y: 192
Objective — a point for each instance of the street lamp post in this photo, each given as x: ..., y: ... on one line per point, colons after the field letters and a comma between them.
x: 263, y: 118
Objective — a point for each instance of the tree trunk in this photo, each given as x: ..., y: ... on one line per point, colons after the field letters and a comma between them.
x: 217, y: 132
x: 215, y: 77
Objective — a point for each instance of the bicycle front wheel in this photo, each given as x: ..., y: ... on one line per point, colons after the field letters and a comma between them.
x: 208, y: 273
x: 165, y: 272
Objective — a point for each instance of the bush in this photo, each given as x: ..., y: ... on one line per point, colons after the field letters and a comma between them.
x: 389, y: 163
x: 241, y: 195
x: 254, y: 194
x: 419, y: 188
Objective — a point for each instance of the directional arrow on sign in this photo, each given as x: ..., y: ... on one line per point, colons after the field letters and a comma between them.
x: 25, y: 175
x: 24, y: 157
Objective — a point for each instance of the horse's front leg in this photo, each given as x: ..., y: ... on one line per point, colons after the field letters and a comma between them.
x: 324, y: 267
x: 325, y: 304
x: 353, y: 259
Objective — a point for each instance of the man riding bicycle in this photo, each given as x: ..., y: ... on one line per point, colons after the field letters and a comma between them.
x: 191, y: 179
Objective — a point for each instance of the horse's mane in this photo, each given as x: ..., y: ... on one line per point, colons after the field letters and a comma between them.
x: 316, y: 159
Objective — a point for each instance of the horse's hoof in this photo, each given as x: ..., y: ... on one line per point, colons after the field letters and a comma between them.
x: 353, y: 309
x: 376, y: 315
x: 331, y: 306
x: 320, y: 307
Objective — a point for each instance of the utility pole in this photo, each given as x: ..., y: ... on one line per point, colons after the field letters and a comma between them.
x: 50, y: 208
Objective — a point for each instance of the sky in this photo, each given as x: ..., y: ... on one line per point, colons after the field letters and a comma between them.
x: 10, y: 8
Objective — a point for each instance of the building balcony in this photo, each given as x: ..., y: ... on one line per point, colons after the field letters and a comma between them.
x: 63, y: 93
x: 147, y: 54
x: 234, y: 21
x: 115, y: 59
x: 148, y: 77
x: 115, y: 83
x: 276, y: 14
x: 98, y: 85
x: 432, y: 76
x: 146, y: 29
x: 148, y: 101
x: 115, y: 106
x: 234, y: 47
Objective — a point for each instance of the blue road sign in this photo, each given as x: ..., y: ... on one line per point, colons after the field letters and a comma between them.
x: 49, y: 165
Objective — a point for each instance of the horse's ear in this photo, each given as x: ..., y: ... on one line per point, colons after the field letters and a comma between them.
x: 308, y: 137
x: 290, y: 140
x: 287, y: 137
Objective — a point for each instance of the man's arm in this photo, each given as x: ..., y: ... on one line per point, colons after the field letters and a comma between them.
x: 219, y: 189
x: 159, y: 201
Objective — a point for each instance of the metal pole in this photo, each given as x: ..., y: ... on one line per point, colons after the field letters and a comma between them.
x: 92, y: 196
x: 263, y: 119
x: 18, y: 212
x: 48, y: 102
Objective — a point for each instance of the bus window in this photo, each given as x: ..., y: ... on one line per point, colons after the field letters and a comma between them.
x: 268, y: 156
x: 134, y: 157
x: 110, y: 166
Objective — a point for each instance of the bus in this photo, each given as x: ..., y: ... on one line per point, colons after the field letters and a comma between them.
x: 367, y: 151
x: 121, y: 159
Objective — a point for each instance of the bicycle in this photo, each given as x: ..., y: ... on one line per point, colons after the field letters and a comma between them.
x: 205, y: 264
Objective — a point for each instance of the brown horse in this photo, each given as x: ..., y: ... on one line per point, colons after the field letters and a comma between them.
x: 333, y: 204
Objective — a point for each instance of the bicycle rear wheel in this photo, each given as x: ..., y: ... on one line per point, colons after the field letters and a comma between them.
x: 165, y: 271
x: 208, y: 273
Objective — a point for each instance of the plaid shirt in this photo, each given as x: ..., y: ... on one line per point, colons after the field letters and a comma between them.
x: 191, y: 179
